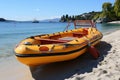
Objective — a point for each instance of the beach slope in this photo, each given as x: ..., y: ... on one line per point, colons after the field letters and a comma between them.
x: 109, y: 67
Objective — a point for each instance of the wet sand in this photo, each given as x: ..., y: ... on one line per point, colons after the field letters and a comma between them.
x: 11, y: 69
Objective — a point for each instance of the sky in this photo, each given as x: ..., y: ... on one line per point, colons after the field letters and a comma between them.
x: 24, y: 10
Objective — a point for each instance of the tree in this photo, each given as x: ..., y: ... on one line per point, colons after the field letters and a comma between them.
x: 63, y: 19
x: 106, y: 11
x: 117, y: 8
x: 106, y: 8
x: 73, y: 18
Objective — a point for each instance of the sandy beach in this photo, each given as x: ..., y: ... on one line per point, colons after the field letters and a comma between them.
x: 115, y: 22
x: 107, y: 67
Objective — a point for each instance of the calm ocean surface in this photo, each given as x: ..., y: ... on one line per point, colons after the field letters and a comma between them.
x: 11, y: 33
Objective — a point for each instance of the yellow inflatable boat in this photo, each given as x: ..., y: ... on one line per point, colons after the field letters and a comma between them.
x: 60, y: 46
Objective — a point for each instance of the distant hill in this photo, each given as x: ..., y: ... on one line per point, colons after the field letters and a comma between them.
x: 51, y: 20
x: 2, y: 19
x: 84, y: 16
x: 46, y: 20
x: 5, y: 20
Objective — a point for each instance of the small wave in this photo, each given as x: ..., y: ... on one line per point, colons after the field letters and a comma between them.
x: 5, y: 55
x: 6, y: 52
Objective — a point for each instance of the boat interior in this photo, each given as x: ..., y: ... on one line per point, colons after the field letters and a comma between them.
x: 60, y: 37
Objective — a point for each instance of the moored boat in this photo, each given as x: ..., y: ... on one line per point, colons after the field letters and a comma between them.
x: 59, y: 46
x: 35, y: 21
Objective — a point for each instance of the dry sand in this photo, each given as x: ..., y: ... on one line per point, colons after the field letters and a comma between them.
x: 107, y: 67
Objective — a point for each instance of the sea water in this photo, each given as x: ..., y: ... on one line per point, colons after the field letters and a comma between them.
x: 12, y: 33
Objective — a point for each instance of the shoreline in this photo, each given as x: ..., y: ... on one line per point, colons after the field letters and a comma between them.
x: 114, y: 22
x: 84, y: 67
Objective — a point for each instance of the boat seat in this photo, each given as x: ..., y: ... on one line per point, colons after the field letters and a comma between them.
x: 55, y: 37
x: 79, y: 35
x: 51, y: 41
x: 67, y: 38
